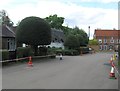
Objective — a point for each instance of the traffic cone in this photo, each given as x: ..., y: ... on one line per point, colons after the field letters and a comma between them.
x: 30, y: 64
x: 112, y: 73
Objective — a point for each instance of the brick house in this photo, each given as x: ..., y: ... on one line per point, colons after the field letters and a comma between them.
x: 108, y: 39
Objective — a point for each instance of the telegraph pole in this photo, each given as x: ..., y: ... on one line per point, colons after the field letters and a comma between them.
x: 89, y: 32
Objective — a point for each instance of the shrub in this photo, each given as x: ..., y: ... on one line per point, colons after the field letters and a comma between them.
x: 70, y: 52
x: 24, y: 52
x: 5, y: 54
x: 84, y: 50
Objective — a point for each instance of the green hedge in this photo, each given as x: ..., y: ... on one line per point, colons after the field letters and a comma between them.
x: 5, y: 54
x: 24, y: 52
x: 84, y: 50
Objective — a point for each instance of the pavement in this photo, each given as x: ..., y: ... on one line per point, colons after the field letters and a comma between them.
x: 89, y: 71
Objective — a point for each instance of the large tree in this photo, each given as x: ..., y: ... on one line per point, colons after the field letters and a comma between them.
x: 71, y: 42
x: 55, y: 21
x: 34, y: 31
x: 82, y: 36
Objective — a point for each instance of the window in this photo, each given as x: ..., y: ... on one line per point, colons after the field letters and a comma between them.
x: 111, y: 41
x: 100, y: 47
x: 100, y: 40
x: 105, y: 47
x: 105, y: 40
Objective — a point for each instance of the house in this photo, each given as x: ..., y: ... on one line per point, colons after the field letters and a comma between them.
x: 57, y: 38
x: 108, y: 39
x: 7, y: 37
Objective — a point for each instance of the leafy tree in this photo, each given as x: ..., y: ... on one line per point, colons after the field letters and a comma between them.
x: 82, y: 36
x: 71, y: 42
x: 34, y: 31
x: 93, y: 42
x: 55, y: 21
x: 5, y: 18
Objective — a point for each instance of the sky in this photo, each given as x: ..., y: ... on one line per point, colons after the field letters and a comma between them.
x: 98, y: 14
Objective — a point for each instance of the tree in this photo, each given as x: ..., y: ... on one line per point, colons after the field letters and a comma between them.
x: 82, y: 36
x: 71, y: 42
x: 93, y: 42
x: 34, y: 31
x: 55, y: 21
x: 5, y: 18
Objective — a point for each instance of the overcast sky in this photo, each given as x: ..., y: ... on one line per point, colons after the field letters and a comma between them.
x: 82, y: 13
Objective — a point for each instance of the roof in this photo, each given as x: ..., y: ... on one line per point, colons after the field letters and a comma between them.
x: 58, y: 34
x: 5, y: 31
x: 107, y: 33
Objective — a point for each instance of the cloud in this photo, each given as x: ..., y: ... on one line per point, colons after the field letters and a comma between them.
x: 74, y: 14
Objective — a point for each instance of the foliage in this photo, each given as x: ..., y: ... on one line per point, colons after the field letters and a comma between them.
x: 5, y: 54
x: 34, y: 31
x: 70, y: 52
x: 5, y: 18
x: 84, y: 50
x: 81, y: 35
x: 24, y: 52
x: 93, y: 42
x: 71, y: 42
x: 55, y: 21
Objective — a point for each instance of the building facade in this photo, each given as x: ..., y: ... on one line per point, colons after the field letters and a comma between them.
x: 7, y: 38
x: 57, y: 38
x: 108, y: 39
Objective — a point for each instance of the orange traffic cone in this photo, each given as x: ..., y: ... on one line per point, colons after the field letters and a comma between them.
x: 112, y: 73
x: 30, y: 64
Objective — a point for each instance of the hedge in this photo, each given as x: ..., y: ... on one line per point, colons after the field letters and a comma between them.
x: 84, y: 50
x: 24, y: 52
x: 5, y: 54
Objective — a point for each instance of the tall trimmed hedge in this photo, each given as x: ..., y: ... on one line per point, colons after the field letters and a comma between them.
x: 5, y: 54
x: 24, y: 52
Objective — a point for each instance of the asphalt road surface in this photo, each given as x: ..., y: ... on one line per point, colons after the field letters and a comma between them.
x: 89, y: 71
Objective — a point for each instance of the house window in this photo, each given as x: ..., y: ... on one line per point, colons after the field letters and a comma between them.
x: 100, y: 40
x: 8, y: 45
x: 105, y: 47
x: 100, y: 47
x: 111, y: 41
x: 105, y: 40
x: 110, y: 47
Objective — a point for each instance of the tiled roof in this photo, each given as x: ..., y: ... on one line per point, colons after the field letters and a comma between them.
x: 6, y: 31
x: 58, y: 34
x: 101, y: 32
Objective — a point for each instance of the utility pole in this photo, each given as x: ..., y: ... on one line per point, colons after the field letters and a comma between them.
x: 89, y: 32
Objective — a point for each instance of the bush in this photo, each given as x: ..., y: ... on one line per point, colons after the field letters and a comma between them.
x: 24, y: 52
x: 70, y: 52
x: 84, y: 50
x: 5, y: 54
x: 42, y: 51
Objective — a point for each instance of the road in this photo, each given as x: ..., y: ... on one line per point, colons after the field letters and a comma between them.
x: 89, y: 71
